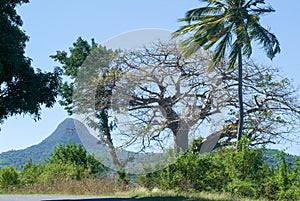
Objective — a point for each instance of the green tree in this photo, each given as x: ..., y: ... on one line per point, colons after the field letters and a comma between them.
x: 82, y: 67
x: 228, y: 24
x: 23, y: 90
x: 77, y: 155
x: 70, y: 67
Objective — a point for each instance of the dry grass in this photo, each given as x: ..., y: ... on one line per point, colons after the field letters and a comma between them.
x: 102, y: 187
x: 74, y: 187
x: 160, y: 195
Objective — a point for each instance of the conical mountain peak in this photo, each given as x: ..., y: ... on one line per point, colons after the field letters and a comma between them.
x: 68, y: 131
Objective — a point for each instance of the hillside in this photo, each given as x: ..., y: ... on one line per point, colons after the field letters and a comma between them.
x: 73, y: 131
x: 70, y: 130
x: 272, y: 157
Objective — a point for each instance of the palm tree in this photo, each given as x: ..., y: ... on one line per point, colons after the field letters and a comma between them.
x: 229, y: 27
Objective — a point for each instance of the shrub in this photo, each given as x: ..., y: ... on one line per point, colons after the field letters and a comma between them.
x: 242, y: 188
x: 76, y: 155
x: 58, y: 172
x: 30, y: 173
x: 240, y: 173
x: 287, y: 179
x: 9, y: 177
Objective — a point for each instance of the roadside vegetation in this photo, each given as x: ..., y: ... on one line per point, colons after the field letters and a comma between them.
x: 222, y: 175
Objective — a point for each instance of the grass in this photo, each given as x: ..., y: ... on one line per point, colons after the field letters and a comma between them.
x: 73, y: 187
x: 109, y: 188
x: 159, y: 195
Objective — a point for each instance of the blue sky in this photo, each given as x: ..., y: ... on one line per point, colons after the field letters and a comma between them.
x: 55, y: 24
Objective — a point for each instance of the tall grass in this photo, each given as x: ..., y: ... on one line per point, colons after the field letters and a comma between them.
x: 104, y: 187
x: 163, y: 195
x: 73, y: 187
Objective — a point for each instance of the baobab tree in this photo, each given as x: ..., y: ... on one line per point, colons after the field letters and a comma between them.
x: 162, y: 95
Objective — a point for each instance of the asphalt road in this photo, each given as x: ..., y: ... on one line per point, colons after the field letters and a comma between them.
x: 60, y: 198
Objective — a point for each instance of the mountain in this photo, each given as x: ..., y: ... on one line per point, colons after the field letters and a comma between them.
x: 272, y: 158
x: 73, y: 131
x: 70, y: 130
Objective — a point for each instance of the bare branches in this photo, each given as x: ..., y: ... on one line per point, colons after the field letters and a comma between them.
x: 166, y: 91
x: 271, y: 105
x: 154, y: 95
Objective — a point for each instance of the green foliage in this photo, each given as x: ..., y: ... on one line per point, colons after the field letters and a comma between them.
x: 68, y: 163
x: 242, y: 188
x: 30, y: 173
x: 184, y: 174
x: 70, y: 67
x: 244, y: 169
x: 241, y: 173
x: 73, y: 63
x: 287, y: 179
x: 80, y: 50
x: 87, y: 68
x: 228, y: 19
x: 76, y: 155
x: 9, y: 177
x: 59, y: 172
x: 23, y: 90
x: 245, y: 164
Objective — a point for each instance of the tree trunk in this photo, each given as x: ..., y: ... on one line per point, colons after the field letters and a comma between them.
x: 240, y: 94
x: 181, y: 137
x: 111, y: 148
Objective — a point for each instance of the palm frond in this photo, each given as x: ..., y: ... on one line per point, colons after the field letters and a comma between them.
x: 186, y: 29
x: 215, y: 24
x: 197, y: 13
x: 258, y: 7
x: 268, y: 40
x: 189, y: 47
x: 246, y: 41
x: 215, y: 2
x: 219, y: 52
x: 254, y: 3
x: 260, y: 11
x: 233, y: 55
x: 221, y: 47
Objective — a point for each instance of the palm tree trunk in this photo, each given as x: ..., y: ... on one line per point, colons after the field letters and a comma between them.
x: 240, y: 94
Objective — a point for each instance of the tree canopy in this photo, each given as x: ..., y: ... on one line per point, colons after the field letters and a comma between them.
x: 87, y: 91
x: 166, y: 95
x: 23, y: 89
x: 227, y: 25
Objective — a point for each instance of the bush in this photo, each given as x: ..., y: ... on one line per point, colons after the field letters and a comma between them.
x: 9, y: 177
x: 76, y: 155
x: 245, y: 164
x: 30, y: 173
x: 58, y: 172
x: 240, y: 173
x: 287, y: 179
x: 243, y: 188
x: 192, y: 171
